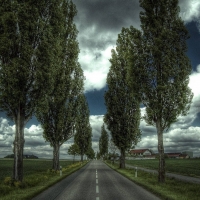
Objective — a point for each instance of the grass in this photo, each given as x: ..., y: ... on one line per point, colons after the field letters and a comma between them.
x: 38, y: 176
x: 188, y: 167
x: 171, y: 190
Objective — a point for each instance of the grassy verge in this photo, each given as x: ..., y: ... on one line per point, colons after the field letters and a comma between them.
x: 35, y: 182
x: 171, y: 190
x: 188, y: 167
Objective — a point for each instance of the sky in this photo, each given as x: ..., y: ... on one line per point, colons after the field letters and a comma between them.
x: 99, y: 22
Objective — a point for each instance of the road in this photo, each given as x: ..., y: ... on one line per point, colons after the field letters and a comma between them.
x: 96, y: 181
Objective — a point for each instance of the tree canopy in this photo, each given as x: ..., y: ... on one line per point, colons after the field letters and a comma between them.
x: 163, y: 67
x: 83, y: 135
x: 122, y: 101
x: 103, y: 142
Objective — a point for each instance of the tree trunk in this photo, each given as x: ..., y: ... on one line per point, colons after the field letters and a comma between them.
x: 74, y: 159
x: 122, y: 159
x: 161, y: 169
x: 56, y: 149
x: 18, y: 147
x: 81, y: 157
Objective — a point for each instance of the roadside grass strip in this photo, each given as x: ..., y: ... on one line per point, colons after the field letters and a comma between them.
x: 171, y: 190
x: 35, y: 182
x: 187, y: 167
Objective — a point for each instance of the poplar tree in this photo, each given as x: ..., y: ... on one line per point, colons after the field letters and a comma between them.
x: 57, y: 111
x: 103, y: 142
x: 24, y: 73
x: 90, y: 152
x: 164, y: 68
x: 122, y: 102
x: 83, y: 135
x: 74, y: 150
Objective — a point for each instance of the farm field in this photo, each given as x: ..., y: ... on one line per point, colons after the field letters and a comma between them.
x: 38, y: 176
x: 188, y: 167
x: 30, y: 166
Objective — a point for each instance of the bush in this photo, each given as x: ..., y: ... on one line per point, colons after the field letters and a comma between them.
x: 8, y: 181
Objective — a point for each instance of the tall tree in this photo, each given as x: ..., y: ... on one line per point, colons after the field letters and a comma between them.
x: 103, y: 142
x: 122, y: 102
x: 90, y: 152
x: 83, y: 135
x: 57, y: 111
x: 24, y: 74
x: 164, y: 68
x: 74, y: 150
x: 113, y: 149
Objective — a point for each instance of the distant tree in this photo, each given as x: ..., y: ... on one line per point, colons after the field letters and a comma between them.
x: 113, y: 149
x: 164, y: 68
x: 103, y: 142
x: 74, y: 150
x: 122, y: 102
x: 90, y: 153
x: 24, y: 73
x: 57, y: 112
x: 98, y: 156
x: 83, y: 135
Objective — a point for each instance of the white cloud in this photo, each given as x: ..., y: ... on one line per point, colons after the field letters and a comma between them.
x: 96, y: 66
x: 190, y: 11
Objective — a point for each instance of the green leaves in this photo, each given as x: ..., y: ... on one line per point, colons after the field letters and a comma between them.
x: 74, y: 150
x: 166, y: 69
x: 83, y: 129
x: 122, y: 101
x: 57, y: 111
x: 103, y: 142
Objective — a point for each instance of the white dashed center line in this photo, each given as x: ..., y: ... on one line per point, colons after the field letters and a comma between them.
x: 97, y: 189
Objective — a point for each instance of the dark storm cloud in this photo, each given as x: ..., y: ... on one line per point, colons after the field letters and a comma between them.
x: 34, y: 142
x: 92, y: 42
x: 5, y: 145
x: 107, y: 15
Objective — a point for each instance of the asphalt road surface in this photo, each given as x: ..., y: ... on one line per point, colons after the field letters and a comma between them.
x: 96, y: 181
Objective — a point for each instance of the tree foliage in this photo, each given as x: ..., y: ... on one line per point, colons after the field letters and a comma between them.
x: 90, y: 153
x: 122, y: 102
x: 57, y: 112
x: 74, y: 150
x: 163, y: 68
x: 24, y: 73
x: 83, y: 135
x: 103, y: 142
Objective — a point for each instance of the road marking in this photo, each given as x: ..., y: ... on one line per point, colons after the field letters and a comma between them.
x: 96, y: 176
x: 97, y: 198
x: 96, y: 181
x: 97, y: 189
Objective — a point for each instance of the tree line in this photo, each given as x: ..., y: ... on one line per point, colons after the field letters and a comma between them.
x: 149, y: 68
x: 40, y: 74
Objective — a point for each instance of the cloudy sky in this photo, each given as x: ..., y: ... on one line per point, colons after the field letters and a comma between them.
x: 99, y: 22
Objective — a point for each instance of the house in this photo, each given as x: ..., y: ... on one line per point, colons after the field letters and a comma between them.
x: 141, y: 152
x: 173, y: 155
x: 189, y: 153
x: 182, y: 155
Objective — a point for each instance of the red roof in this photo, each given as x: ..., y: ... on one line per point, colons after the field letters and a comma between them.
x: 138, y: 150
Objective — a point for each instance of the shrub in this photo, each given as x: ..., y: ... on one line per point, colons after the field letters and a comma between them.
x: 8, y: 181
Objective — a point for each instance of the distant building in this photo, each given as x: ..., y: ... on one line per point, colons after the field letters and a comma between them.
x: 182, y: 155
x: 173, y: 155
x: 189, y: 153
x: 140, y: 152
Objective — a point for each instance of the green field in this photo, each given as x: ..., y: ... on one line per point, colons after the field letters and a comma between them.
x: 38, y: 176
x: 30, y: 166
x: 189, y: 167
